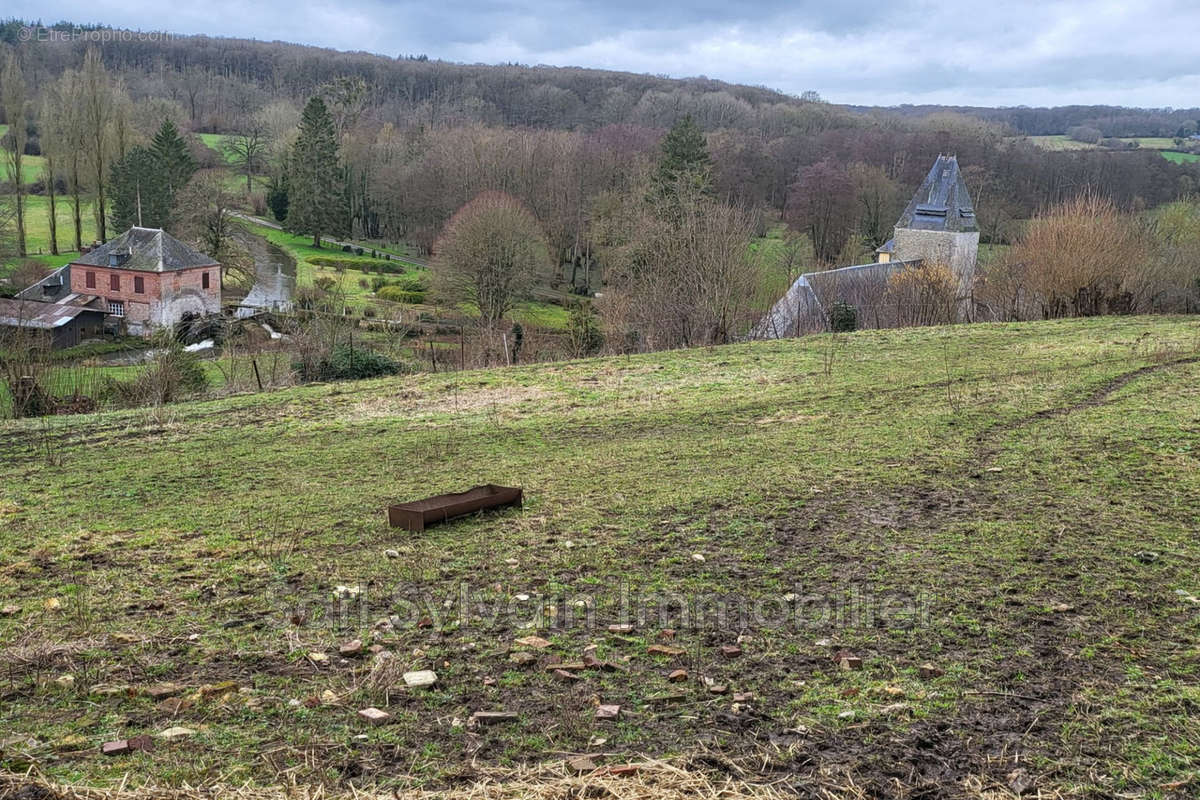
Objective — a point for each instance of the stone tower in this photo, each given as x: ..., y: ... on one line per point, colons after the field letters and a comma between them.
x: 938, y: 226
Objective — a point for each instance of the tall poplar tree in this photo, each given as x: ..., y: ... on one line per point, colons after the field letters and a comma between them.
x: 14, y: 99
x: 316, y: 191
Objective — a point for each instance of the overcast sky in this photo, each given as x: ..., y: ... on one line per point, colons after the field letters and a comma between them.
x: 880, y: 52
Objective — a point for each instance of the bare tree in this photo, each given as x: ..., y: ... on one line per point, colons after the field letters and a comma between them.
x: 13, y: 100
x: 490, y: 254
x: 249, y: 151
x: 98, y: 113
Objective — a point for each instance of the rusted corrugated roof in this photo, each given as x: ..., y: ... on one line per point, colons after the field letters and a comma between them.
x: 44, y: 316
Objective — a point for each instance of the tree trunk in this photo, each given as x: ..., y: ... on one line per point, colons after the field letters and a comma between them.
x: 53, y: 213
x: 77, y: 216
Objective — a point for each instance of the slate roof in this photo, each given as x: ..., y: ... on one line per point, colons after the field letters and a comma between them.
x: 942, y: 203
x: 146, y: 250
x: 43, y: 316
x: 50, y: 289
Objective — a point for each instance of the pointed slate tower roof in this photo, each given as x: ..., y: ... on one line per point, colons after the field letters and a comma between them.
x: 147, y: 250
x: 942, y: 203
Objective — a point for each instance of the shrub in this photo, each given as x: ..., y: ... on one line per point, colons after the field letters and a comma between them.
x: 362, y: 264
x: 346, y: 363
x: 583, y: 329
x: 843, y: 317
x: 397, y: 294
x: 173, y: 374
x: 324, y: 282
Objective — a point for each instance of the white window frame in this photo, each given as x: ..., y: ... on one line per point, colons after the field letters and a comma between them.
x: 116, y: 308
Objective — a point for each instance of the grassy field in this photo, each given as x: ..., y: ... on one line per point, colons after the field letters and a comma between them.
x: 1163, y: 144
x: 1181, y: 158
x: 1013, y: 505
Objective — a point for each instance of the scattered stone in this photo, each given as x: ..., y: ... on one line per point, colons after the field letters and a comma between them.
x: 67, y: 744
x: 894, y: 708
x: 1062, y: 608
x: 624, y: 628
x: 893, y: 691
x: 847, y: 660
x: 571, y: 666
x: 174, y: 705
x: 730, y: 650
x: 717, y: 688
x: 376, y: 649
x: 678, y: 676
x: 581, y: 764
x: 824, y: 643
x: 846, y: 715
x: 522, y: 597
x: 1146, y: 556
x: 421, y: 677
x: 512, y: 562
x: 141, y: 743
x: 622, y: 770
x: 160, y: 690
x: 929, y: 671
x: 117, y: 748
x: 53, y: 604
x: 493, y: 717
x: 176, y: 733
x: 698, y: 558
x: 567, y: 676
x: 392, y: 553
x: 66, y: 681
x: 1019, y: 781
x: 522, y: 658
x: 666, y: 634
x: 329, y: 698
x: 214, y: 689
x: 608, y: 712
x: 318, y: 658
x: 533, y: 641
x: 664, y: 650
x: 743, y: 697
x: 489, y: 681
x: 374, y: 716
x: 351, y: 648
x: 10, y: 611
x: 568, y: 544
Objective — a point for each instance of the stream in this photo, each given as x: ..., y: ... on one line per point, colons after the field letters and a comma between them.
x: 275, y: 276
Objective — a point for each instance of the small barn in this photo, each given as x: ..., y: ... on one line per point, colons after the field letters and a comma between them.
x: 66, y: 324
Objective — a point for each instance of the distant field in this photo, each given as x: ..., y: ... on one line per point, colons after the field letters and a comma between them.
x: 1180, y: 158
x: 216, y: 142
x: 1163, y: 144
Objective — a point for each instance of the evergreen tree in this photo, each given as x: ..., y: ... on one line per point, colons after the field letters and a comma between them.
x: 316, y: 191
x: 684, y: 157
x: 139, y: 191
x: 174, y: 159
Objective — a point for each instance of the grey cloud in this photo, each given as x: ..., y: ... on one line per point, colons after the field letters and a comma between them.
x: 864, y: 51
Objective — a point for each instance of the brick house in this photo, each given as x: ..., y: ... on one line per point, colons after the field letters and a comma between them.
x: 146, y: 279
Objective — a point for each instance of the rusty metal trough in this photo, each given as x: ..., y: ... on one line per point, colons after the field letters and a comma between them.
x: 416, y: 515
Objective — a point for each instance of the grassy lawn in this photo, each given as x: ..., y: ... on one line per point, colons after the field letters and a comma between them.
x: 1181, y: 158
x: 1014, y: 505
